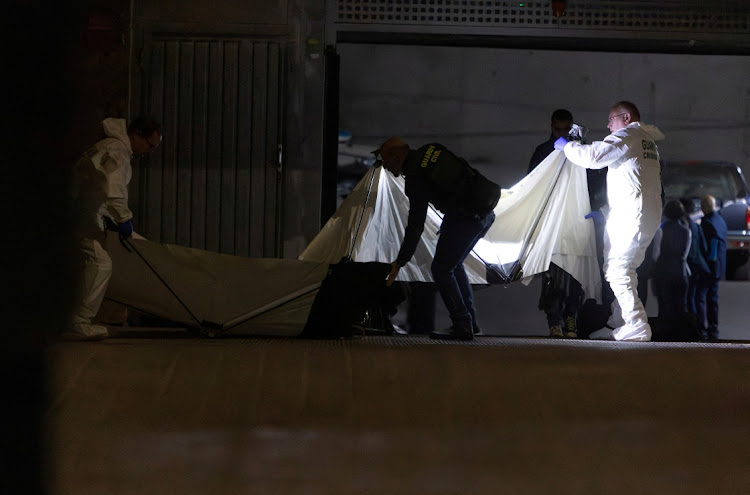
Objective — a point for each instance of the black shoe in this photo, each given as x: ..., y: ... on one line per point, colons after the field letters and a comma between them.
x: 476, y: 330
x: 452, y: 333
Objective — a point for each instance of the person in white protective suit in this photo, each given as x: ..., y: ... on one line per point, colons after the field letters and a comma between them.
x: 634, y: 196
x: 100, y: 201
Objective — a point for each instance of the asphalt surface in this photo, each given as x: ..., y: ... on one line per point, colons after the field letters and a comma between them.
x: 160, y: 410
x: 512, y: 310
x: 147, y: 413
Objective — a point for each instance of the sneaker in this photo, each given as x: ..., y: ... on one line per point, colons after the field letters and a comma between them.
x: 452, y: 333
x: 86, y: 331
x: 556, y: 331
x: 571, y: 330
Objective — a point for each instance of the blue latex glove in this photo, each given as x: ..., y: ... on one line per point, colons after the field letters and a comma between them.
x: 125, y: 228
x: 597, y: 216
x: 560, y: 143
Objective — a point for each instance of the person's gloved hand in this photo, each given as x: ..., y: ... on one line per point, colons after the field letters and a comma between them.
x: 125, y: 228
x: 560, y: 143
x: 597, y: 216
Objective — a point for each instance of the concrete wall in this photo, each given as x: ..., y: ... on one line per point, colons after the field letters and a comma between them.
x: 96, y: 65
x: 303, y: 127
x: 493, y: 105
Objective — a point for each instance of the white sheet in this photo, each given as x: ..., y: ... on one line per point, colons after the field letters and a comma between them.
x: 230, y: 294
x: 560, y: 235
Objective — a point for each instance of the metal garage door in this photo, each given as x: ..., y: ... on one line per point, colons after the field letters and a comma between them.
x: 214, y: 184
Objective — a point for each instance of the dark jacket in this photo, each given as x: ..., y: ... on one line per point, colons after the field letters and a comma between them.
x: 698, y: 251
x: 673, y: 251
x: 715, y: 230
x: 540, y: 153
x: 433, y: 174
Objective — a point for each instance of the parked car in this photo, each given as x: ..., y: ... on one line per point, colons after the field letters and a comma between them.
x: 725, y: 182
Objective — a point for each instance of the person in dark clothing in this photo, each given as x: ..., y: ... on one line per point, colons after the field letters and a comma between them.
x: 560, y: 126
x: 433, y: 174
x: 561, y: 295
x: 696, y: 257
x: 562, y: 123
x: 560, y: 299
x: 715, y: 230
x: 670, y: 270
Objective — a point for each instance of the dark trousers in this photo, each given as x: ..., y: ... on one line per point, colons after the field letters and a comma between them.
x: 671, y: 294
x: 707, y: 306
x: 561, y: 295
x: 458, y: 235
x: 692, y: 294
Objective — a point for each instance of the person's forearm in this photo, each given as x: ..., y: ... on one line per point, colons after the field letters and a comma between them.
x: 594, y: 156
x: 409, y: 246
x: 413, y: 232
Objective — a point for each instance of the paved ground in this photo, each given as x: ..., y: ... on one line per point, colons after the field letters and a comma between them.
x: 512, y: 310
x: 399, y: 415
x: 157, y: 410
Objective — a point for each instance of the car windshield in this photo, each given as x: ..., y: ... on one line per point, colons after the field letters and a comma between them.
x: 696, y: 180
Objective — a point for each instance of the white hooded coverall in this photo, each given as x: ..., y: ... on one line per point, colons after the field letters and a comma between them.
x: 634, y: 195
x: 103, y: 191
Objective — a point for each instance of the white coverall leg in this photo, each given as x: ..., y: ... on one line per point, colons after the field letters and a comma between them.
x: 96, y: 273
x: 625, y: 244
x: 634, y: 197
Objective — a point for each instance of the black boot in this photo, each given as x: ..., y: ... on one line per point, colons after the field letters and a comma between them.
x: 453, y: 333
